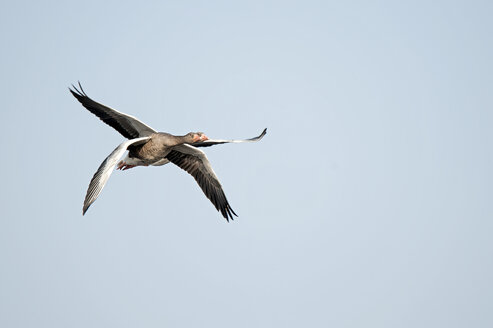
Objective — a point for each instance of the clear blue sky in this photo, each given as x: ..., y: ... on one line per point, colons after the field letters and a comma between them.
x: 368, y: 203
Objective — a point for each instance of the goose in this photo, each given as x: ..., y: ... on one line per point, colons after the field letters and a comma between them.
x: 147, y: 147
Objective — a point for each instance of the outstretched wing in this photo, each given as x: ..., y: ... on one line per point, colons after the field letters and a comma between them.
x: 104, y: 172
x: 195, y: 162
x: 210, y: 142
x: 127, y: 125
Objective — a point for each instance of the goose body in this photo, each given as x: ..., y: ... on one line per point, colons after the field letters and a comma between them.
x: 149, y: 147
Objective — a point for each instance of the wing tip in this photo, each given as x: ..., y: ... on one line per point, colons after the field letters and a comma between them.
x: 260, y: 136
x: 228, y: 213
x: 76, y: 92
x: 263, y: 134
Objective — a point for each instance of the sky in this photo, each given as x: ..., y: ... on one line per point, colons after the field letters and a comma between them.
x: 367, y: 204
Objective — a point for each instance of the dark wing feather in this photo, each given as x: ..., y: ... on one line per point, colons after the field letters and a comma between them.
x: 127, y: 125
x: 212, y: 142
x: 196, y: 163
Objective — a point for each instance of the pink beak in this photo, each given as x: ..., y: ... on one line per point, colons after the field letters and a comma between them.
x: 204, y: 137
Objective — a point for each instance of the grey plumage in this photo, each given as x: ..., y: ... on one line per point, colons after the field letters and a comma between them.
x: 148, y: 147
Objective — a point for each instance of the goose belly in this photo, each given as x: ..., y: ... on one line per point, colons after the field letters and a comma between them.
x: 149, y: 153
x: 140, y: 162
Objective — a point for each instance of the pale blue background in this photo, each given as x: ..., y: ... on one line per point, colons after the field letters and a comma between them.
x: 368, y: 203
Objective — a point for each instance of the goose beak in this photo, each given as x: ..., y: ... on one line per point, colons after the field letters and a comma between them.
x: 203, y: 137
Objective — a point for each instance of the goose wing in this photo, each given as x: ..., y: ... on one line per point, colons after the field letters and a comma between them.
x: 210, y: 142
x: 195, y: 162
x: 104, y: 172
x: 127, y: 125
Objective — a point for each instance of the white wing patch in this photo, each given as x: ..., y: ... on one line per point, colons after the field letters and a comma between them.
x: 104, y: 172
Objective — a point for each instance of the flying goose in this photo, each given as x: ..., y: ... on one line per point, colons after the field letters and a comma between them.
x: 148, y: 147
